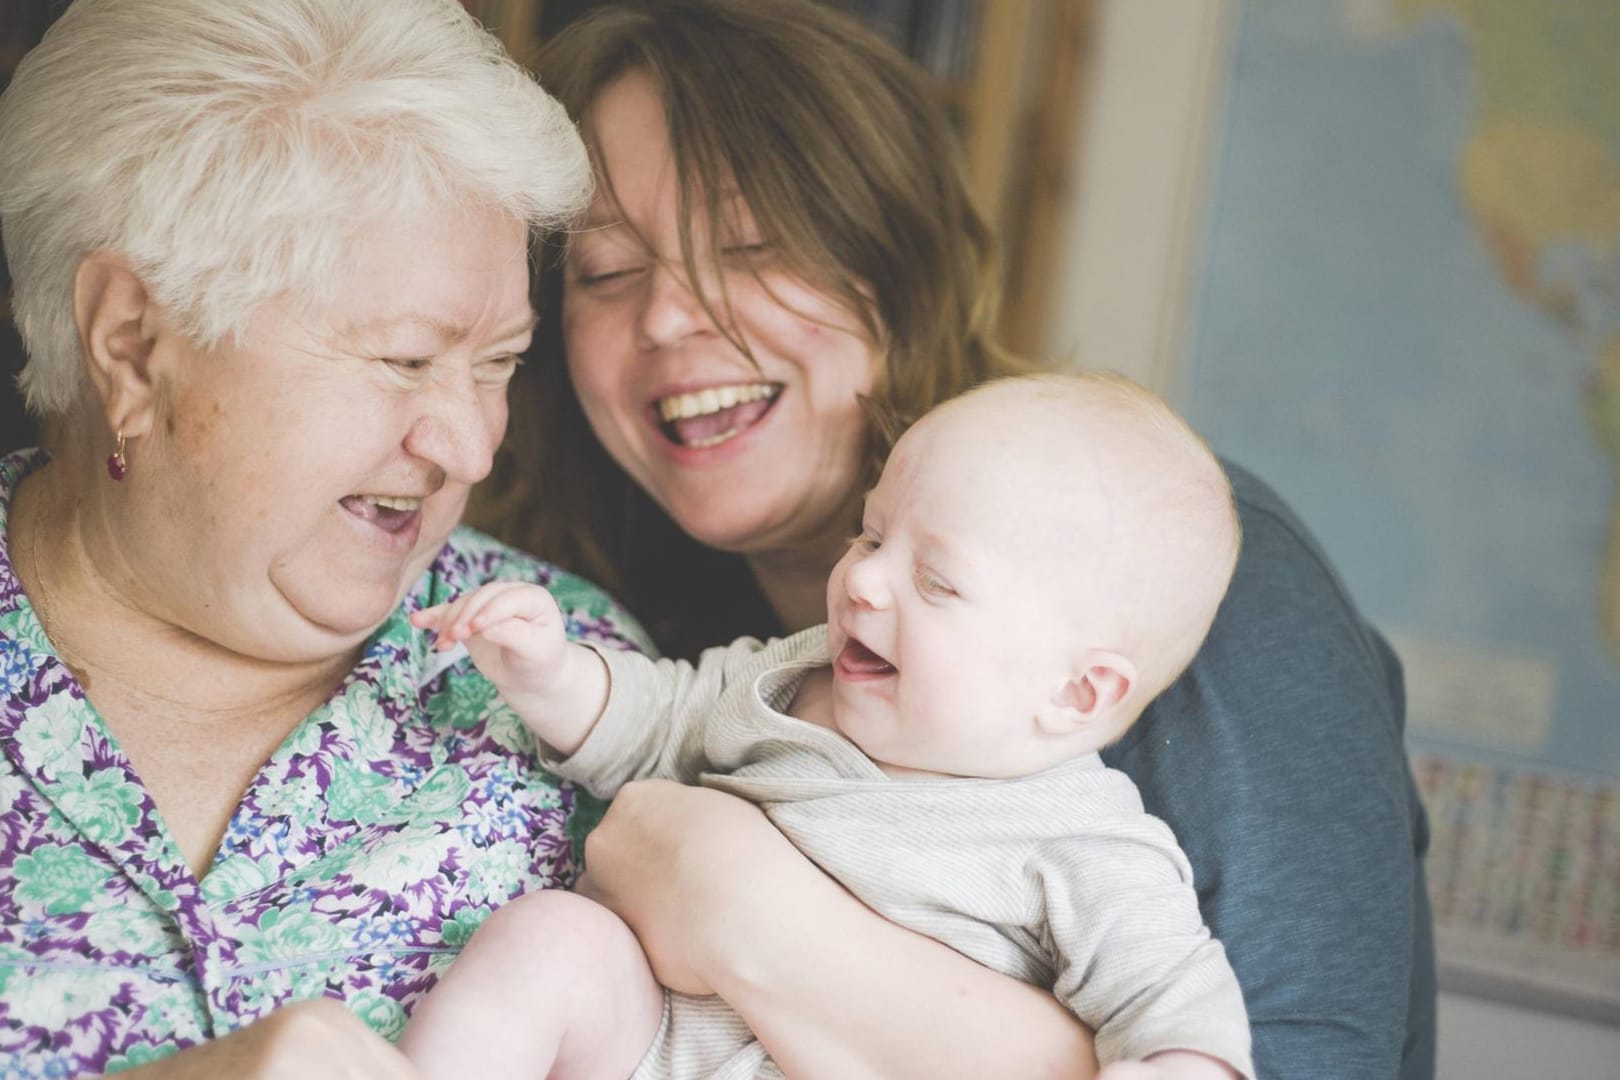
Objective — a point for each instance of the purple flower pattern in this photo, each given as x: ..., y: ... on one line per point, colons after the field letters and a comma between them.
x: 386, y: 827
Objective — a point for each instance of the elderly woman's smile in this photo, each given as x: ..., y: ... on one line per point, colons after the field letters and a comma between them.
x: 329, y: 453
x: 393, y: 515
x: 390, y: 513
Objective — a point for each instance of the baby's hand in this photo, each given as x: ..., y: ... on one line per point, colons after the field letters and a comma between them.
x: 514, y: 631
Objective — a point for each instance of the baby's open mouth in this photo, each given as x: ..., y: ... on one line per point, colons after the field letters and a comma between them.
x: 390, y: 513
x: 709, y: 417
x: 856, y: 659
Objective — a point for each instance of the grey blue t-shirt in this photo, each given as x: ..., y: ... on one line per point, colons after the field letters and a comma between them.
x: 1278, y: 760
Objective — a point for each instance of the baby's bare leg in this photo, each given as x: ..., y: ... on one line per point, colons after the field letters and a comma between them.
x: 552, y: 985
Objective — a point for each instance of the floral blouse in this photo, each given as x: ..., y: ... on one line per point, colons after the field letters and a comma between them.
x: 390, y: 823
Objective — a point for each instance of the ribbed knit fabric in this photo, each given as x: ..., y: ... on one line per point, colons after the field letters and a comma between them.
x: 1060, y: 879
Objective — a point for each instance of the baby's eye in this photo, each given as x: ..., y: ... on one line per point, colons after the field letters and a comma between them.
x: 930, y: 584
x: 866, y: 542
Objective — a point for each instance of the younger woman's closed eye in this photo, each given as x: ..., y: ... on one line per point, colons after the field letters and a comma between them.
x: 748, y: 253
x: 598, y: 277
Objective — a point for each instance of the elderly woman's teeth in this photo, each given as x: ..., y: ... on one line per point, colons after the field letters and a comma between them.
x: 395, y: 502
x: 389, y: 511
x: 708, y: 417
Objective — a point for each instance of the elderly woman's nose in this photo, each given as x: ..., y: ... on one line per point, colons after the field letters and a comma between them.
x: 670, y: 309
x: 458, y: 430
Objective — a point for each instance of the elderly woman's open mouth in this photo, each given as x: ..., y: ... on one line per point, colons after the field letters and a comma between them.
x: 390, y: 513
x: 703, y: 418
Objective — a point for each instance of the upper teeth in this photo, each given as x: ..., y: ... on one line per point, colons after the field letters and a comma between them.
x: 394, y: 502
x: 712, y: 400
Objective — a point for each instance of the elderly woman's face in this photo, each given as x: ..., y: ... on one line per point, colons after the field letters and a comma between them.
x: 300, y: 480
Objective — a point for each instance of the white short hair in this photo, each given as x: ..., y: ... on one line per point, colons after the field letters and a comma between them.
x: 233, y: 150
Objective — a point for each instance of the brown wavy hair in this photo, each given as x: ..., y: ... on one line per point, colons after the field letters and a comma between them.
x: 842, y: 151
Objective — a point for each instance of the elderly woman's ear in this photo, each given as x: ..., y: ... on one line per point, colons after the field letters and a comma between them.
x: 117, y: 331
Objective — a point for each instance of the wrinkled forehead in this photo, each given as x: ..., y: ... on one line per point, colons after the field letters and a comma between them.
x: 446, y: 275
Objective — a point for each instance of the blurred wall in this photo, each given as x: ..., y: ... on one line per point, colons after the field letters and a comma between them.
x: 1157, y: 149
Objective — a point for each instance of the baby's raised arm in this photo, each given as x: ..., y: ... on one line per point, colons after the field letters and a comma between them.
x: 515, y: 634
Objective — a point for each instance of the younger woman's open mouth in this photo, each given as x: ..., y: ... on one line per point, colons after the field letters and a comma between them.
x: 706, y: 418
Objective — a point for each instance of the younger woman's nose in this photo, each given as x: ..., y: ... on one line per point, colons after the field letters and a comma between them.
x: 670, y: 309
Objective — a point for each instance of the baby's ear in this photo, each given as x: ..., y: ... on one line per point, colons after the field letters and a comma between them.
x: 1101, y: 679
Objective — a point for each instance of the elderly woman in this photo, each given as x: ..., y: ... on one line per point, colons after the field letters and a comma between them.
x: 271, y: 266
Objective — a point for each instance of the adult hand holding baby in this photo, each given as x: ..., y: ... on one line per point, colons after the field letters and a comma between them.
x: 668, y: 855
x: 666, y: 878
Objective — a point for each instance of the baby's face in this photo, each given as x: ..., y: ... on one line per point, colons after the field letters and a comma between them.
x: 945, y: 625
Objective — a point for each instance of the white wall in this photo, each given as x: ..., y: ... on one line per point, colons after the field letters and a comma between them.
x: 1120, y: 287
x: 1160, y: 65
x: 1485, y: 1040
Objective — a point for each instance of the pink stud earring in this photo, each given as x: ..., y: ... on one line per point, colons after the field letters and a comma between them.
x: 117, y: 464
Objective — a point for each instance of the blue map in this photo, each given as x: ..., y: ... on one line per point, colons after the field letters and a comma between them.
x: 1406, y: 317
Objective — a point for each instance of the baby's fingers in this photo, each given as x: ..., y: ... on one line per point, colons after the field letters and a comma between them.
x: 520, y: 640
x: 440, y: 618
x: 451, y: 621
x: 493, y: 604
x: 429, y: 617
x: 506, y: 601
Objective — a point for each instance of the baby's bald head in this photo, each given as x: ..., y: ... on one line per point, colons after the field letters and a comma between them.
x: 1122, y: 505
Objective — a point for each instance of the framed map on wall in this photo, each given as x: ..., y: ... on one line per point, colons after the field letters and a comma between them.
x: 1406, y: 315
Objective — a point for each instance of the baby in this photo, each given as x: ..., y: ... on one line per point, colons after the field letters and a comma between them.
x: 1040, y: 558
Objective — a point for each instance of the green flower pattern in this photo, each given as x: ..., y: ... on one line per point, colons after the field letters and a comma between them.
x: 381, y: 833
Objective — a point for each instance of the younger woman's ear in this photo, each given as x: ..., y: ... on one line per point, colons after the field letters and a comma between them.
x: 1101, y: 680
x: 111, y: 307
